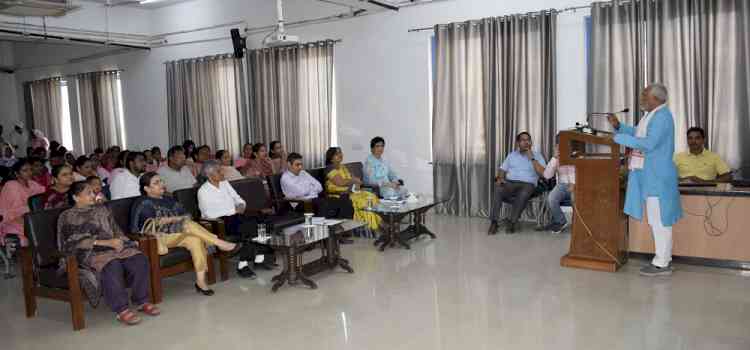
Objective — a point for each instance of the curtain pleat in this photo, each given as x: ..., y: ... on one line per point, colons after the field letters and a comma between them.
x: 291, y: 98
x: 99, y: 104
x: 494, y: 78
x: 205, y: 102
x: 46, y: 102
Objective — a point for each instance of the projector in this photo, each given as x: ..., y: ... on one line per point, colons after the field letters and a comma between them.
x: 281, y: 39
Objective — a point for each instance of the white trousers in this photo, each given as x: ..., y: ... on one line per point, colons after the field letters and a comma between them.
x: 662, y: 235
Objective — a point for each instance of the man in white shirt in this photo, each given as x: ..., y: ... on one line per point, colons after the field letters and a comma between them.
x: 218, y: 200
x: 175, y: 174
x: 563, y: 191
x: 124, y: 184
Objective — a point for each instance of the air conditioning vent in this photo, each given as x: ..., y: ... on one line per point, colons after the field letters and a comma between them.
x: 36, y: 8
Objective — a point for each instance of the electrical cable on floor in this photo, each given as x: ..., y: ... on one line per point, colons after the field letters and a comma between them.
x: 596, y: 241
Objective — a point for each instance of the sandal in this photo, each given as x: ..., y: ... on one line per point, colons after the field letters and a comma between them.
x: 128, y: 317
x: 149, y: 309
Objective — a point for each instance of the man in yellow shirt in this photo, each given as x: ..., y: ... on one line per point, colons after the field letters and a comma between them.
x: 700, y: 165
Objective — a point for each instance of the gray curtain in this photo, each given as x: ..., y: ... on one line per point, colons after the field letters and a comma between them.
x: 291, y: 97
x: 616, y: 61
x: 99, y: 105
x: 46, y: 105
x: 494, y: 79
x: 697, y: 48
x: 205, y: 101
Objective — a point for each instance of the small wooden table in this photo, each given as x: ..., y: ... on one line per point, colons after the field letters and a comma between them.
x: 392, y: 214
x: 295, y: 240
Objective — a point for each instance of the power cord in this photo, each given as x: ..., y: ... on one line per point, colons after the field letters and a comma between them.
x: 596, y: 241
x: 711, y: 229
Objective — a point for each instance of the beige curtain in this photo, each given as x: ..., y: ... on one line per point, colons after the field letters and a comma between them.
x: 99, y: 105
x: 494, y: 79
x: 205, y: 101
x: 291, y: 97
x: 46, y: 105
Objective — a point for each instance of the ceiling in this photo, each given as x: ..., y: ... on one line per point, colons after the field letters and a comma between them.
x: 136, y: 3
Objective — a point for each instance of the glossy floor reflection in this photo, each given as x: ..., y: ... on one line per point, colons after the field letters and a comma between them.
x: 465, y: 290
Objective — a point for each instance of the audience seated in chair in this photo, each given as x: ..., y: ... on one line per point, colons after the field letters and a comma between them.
x: 41, y: 174
x: 516, y: 182
x: 299, y: 186
x: 14, y: 199
x: 108, y: 261
x: 176, y: 175
x: 699, y: 165
x: 125, y: 183
x: 176, y: 225
x: 230, y: 172
x: 199, y: 156
x: 83, y: 168
x: 278, y: 155
x: 100, y: 193
x: 219, y: 201
x: 259, y: 165
x: 247, y: 154
x: 57, y: 195
x: 380, y: 175
x: 341, y: 184
x: 565, y: 177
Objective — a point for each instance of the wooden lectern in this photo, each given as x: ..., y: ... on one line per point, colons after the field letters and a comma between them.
x: 599, y: 239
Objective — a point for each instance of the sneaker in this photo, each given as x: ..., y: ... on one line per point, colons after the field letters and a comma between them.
x: 559, y: 228
x: 511, y: 228
x: 652, y: 270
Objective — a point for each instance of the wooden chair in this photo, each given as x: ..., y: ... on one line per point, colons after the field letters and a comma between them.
x: 175, y: 262
x: 189, y: 199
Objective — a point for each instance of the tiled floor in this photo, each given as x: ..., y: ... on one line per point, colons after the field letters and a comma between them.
x: 465, y: 290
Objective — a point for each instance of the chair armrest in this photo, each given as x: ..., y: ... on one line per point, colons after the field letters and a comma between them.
x: 216, y: 226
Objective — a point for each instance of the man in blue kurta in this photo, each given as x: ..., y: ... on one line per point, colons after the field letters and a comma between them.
x: 653, y: 180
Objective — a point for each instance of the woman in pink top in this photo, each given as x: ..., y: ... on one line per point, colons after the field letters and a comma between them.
x: 260, y: 165
x: 247, y: 154
x: 14, y: 200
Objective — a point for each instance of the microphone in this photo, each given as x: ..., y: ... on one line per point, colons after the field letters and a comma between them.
x: 604, y: 114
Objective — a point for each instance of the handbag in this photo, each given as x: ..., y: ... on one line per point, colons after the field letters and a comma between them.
x: 151, y: 228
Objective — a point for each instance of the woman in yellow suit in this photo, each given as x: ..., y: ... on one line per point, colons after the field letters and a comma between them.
x: 340, y: 181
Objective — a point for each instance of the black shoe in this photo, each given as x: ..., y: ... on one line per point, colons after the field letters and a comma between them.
x: 206, y: 292
x: 232, y: 253
x: 493, y: 228
x: 511, y: 228
x: 247, y: 272
x: 266, y: 266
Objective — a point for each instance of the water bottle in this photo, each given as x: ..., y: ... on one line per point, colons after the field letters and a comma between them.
x: 261, y: 232
x: 369, y: 203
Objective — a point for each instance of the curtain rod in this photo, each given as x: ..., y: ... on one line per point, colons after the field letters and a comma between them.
x: 567, y: 9
x: 230, y: 55
x: 75, y: 75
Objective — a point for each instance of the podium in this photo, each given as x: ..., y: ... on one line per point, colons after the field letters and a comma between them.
x: 599, y: 234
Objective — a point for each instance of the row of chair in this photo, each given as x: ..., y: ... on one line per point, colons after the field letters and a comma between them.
x: 41, y: 258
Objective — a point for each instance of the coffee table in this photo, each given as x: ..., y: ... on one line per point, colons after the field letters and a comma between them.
x: 294, y: 241
x: 392, y: 214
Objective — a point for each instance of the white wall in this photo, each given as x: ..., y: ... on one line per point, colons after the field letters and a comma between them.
x: 9, y: 107
x: 381, y: 69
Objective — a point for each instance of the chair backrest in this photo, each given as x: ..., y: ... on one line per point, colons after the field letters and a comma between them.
x: 274, y: 183
x: 36, y: 202
x: 356, y: 169
x: 189, y: 199
x: 253, y: 191
x: 319, y: 174
x: 41, y: 231
x: 121, y: 212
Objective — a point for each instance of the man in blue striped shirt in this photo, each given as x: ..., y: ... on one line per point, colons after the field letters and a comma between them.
x: 516, y: 181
